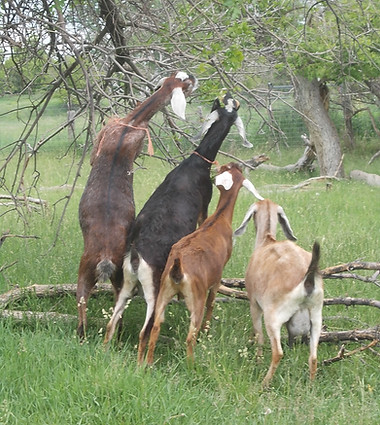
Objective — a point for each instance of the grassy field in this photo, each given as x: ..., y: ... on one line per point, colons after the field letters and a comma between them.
x: 47, y: 377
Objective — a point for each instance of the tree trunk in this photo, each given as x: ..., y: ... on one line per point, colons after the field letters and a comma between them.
x: 323, y: 133
x: 348, y: 112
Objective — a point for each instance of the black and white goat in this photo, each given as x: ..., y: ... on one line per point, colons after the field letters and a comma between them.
x: 173, y: 211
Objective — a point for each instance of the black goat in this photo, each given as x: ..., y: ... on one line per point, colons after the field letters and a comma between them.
x: 173, y: 211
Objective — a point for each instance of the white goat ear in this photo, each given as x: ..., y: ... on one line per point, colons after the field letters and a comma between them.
x: 243, y: 227
x: 209, y: 121
x: 178, y: 102
x: 225, y: 180
x: 241, y: 130
x: 248, y: 185
x: 283, y: 220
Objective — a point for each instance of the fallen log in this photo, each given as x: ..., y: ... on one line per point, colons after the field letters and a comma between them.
x: 305, y: 163
x: 371, y: 179
x: 354, y: 265
x: 348, y: 301
x: 46, y: 315
x: 48, y: 290
x: 351, y: 335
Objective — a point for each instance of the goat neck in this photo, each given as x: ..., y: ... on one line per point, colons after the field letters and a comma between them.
x: 266, y: 220
x: 174, y: 89
x: 229, y: 181
x: 216, y: 127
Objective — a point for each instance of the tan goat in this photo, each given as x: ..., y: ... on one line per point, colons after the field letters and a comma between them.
x: 283, y: 283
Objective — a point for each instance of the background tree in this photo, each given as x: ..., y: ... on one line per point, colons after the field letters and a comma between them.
x: 101, y: 58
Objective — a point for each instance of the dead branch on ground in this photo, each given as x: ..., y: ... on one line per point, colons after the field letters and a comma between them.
x: 232, y: 288
x: 342, y: 354
x: 6, y: 235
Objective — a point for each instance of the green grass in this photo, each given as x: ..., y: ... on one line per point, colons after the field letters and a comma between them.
x: 47, y: 377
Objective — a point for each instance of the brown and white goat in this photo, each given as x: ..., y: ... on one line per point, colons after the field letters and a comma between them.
x: 106, y: 209
x: 174, y: 209
x: 195, y: 263
x: 283, y: 283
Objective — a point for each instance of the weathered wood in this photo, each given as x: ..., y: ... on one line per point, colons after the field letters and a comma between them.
x: 371, y: 179
x: 348, y: 301
x: 376, y: 155
x: 47, y: 290
x: 48, y: 315
x: 303, y: 163
x: 354, y: 265
x: 224, y: 290
x: 303, y: 184
x: 24, y: 199
x: 342, y: 354
x: 351, y: 335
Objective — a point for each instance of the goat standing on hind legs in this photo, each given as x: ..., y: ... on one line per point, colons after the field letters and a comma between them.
x: 196, y: 262
x: 283, y: 283
x: 175, y: 208
x: 106, y: 209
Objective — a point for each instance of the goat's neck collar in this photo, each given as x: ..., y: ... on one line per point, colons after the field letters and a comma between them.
x: 205, y: 159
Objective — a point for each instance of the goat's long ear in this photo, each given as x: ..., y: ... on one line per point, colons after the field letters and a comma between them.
x: 209, y: 121
x: 178, y: 102
x: 243, y: 227
x: 241, y: 130
x: 283, y: 220
x: 248, y: 185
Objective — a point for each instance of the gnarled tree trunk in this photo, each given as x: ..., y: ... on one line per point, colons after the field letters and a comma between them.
x: 323, y: 133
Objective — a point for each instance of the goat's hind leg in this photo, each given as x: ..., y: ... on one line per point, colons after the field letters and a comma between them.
x: 196, y: 308
x: 166, y: 294
x: 315, y: 332
x: 125, y: 293
x: 86, y: 281
x: 274, y: 333
x: 209, y: 307
x: 256, y: 316
x: 150, y: 295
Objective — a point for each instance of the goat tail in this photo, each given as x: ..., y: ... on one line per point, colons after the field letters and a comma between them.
x: 176, y: 272
x: 134, y: 258
x: 105, y: 269
x: 313, y: 269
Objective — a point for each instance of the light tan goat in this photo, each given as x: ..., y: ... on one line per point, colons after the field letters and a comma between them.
x: 283, y: 283
x: 195, y: 263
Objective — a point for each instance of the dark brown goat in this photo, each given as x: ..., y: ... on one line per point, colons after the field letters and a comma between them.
x: 173, y: 211
x: 195, y: 264
x: 106, y: 209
